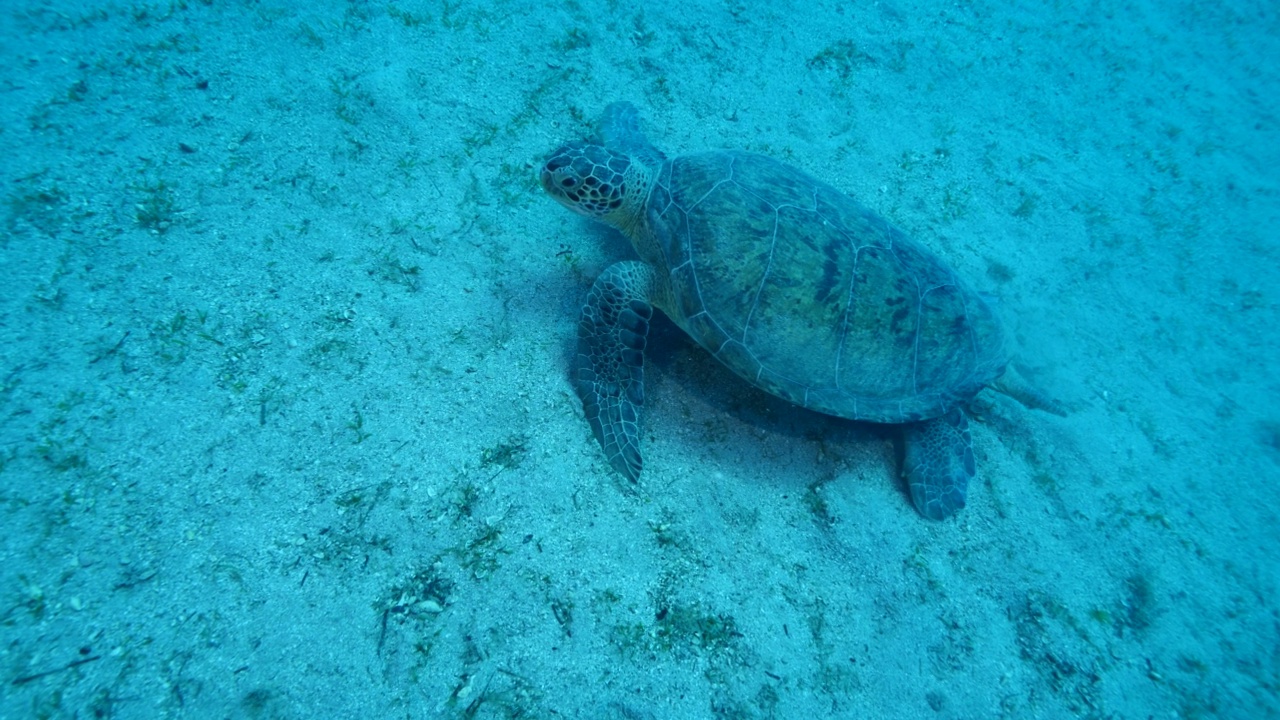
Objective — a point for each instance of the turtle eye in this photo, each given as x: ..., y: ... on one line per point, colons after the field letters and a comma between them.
x: 568, y: 182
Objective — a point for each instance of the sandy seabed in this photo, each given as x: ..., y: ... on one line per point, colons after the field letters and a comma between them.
x: 286, y: 428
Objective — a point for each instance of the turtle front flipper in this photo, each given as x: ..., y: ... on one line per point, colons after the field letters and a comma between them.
x: 938, y: 463
x: 619, y: 130
x: 609, y: 373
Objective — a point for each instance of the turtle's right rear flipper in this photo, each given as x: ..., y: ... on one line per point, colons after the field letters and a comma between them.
x: 609, y: 372
x: 1014, y: 386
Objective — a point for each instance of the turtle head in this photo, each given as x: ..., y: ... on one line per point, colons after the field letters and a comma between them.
x: 595, y: 181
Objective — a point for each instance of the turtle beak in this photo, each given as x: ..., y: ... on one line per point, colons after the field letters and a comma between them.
x: 553, y: 167
x: 559, y: 179
x: 547, y: 178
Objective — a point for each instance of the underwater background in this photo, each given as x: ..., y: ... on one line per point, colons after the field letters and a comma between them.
x: 286, y: 322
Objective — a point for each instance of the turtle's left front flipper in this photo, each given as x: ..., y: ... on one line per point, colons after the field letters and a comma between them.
x: 938, y: 463
x: 609, y: 372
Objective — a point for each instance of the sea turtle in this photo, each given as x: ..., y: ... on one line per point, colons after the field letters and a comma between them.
x: 796, y: 287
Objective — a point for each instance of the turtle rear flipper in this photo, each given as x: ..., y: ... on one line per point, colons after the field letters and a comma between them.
x: 1013, y: 385
x: 609, y: 372
x: 938, y: 463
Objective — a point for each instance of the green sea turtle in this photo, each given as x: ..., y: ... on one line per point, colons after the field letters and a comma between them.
x: 796, y: 287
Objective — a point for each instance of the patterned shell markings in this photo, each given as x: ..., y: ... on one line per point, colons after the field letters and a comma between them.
x: 806, y: 293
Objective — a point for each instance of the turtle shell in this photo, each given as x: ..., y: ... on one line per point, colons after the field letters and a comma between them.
x: 811, y: 296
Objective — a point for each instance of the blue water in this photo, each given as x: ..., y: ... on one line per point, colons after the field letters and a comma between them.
x: 287, y: 323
